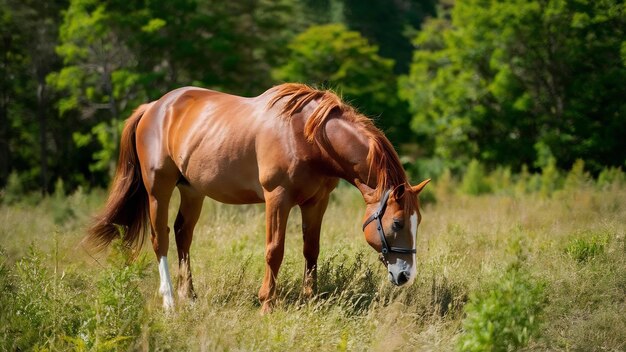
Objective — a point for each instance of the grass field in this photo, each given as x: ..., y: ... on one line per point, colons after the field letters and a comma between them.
x: 496, y: 272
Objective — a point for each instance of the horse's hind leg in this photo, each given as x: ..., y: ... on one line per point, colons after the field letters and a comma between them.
x: 188, y: 214
x: 160, y: 185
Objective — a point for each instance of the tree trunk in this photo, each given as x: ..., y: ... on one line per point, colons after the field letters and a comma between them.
x: 4, y: 139
x: 43, y: 129
x: 4, y: 116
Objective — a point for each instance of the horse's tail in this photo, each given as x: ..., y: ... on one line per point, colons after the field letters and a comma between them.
x: 126, y: 210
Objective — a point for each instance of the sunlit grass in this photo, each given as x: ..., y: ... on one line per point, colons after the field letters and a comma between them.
x: 466, y: 247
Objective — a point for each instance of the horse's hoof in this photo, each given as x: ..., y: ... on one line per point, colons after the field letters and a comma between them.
x: 168, y: 303
x: 187, y: 295
x: 308, y: 293
x: 266, y: 308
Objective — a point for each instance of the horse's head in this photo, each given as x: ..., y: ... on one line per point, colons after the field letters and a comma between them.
x: 390, y: 227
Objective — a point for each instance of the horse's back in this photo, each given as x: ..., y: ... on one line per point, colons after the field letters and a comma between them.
x: 230, y: 148
x: 211, y: 138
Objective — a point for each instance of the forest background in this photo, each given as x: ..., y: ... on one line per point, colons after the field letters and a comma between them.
x: 517, y: 85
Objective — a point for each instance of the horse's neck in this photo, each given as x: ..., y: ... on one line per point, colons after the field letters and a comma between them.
x: 347, y: 151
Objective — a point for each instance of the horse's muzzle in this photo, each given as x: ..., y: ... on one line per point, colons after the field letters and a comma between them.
x: 400, y: 279
x: 399, y: 272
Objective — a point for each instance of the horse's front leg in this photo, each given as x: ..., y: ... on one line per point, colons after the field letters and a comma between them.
x: 277, y: 208
x: 312, y: 213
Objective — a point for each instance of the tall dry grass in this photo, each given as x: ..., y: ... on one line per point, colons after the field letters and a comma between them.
x: 563, y: 253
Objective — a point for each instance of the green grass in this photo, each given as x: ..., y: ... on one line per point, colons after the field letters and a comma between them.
x: 586, y: 247
x: 503, y: 315
x: 551, y: 270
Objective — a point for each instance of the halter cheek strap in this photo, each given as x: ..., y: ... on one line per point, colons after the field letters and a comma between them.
x: 378, y: 216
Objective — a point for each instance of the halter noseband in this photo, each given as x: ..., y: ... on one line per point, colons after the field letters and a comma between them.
x: 378, y: 215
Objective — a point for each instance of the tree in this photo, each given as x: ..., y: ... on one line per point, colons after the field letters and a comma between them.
x: 41, y: 20
x: 11, y: 64
x: 503, y: 79
x: 399, y: 17
x: 97, y: 76
x: 385, y: 23
x: 29, y: 37
x: 118, y: 54
x: 92, y: 62
x: 228, y: 46
x: 333, y: 57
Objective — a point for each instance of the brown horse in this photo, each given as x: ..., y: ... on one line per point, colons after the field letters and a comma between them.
x: 287, y: 147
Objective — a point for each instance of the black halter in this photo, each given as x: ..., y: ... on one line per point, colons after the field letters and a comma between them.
x: 378, y: 216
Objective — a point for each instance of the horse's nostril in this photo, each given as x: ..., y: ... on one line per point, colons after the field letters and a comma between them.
x: 403, y: 277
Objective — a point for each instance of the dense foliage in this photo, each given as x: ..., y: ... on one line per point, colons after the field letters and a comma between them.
x: 504, y: 315
x: 505, y: 82
x: 332, y: 56
x: 510, y: 82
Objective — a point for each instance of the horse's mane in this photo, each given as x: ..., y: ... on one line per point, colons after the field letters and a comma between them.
x: 301, y: 95
x: 382, y: 158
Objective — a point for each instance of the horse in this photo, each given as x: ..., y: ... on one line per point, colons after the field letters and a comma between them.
x: 288, y: 146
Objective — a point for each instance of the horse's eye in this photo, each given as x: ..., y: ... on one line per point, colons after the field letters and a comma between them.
x: 397, y: 225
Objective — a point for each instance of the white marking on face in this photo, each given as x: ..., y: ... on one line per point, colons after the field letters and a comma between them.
x: 166, y: 284
x: 413, y: 270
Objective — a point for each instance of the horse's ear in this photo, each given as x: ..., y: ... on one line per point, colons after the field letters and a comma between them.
x: 398, y: 192
x: 417, y: 189
x: 366, y: 191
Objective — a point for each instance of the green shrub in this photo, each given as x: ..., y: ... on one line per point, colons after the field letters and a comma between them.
x: 522, y: 181
x: 534, y: 183
x: 577, y: 177
x: 117, y: 312
x: 14, y: 189
x: 62, y: 211
x: 46, y: 309
x: 550, y: 178
x: 6, y: 300
x: 500, y: 180
x: 444, y: 185
x: 584, y: 249
x: 610, y: 177
x: 475, y: 180
x: 504, y: 315
x: 40, y: 305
